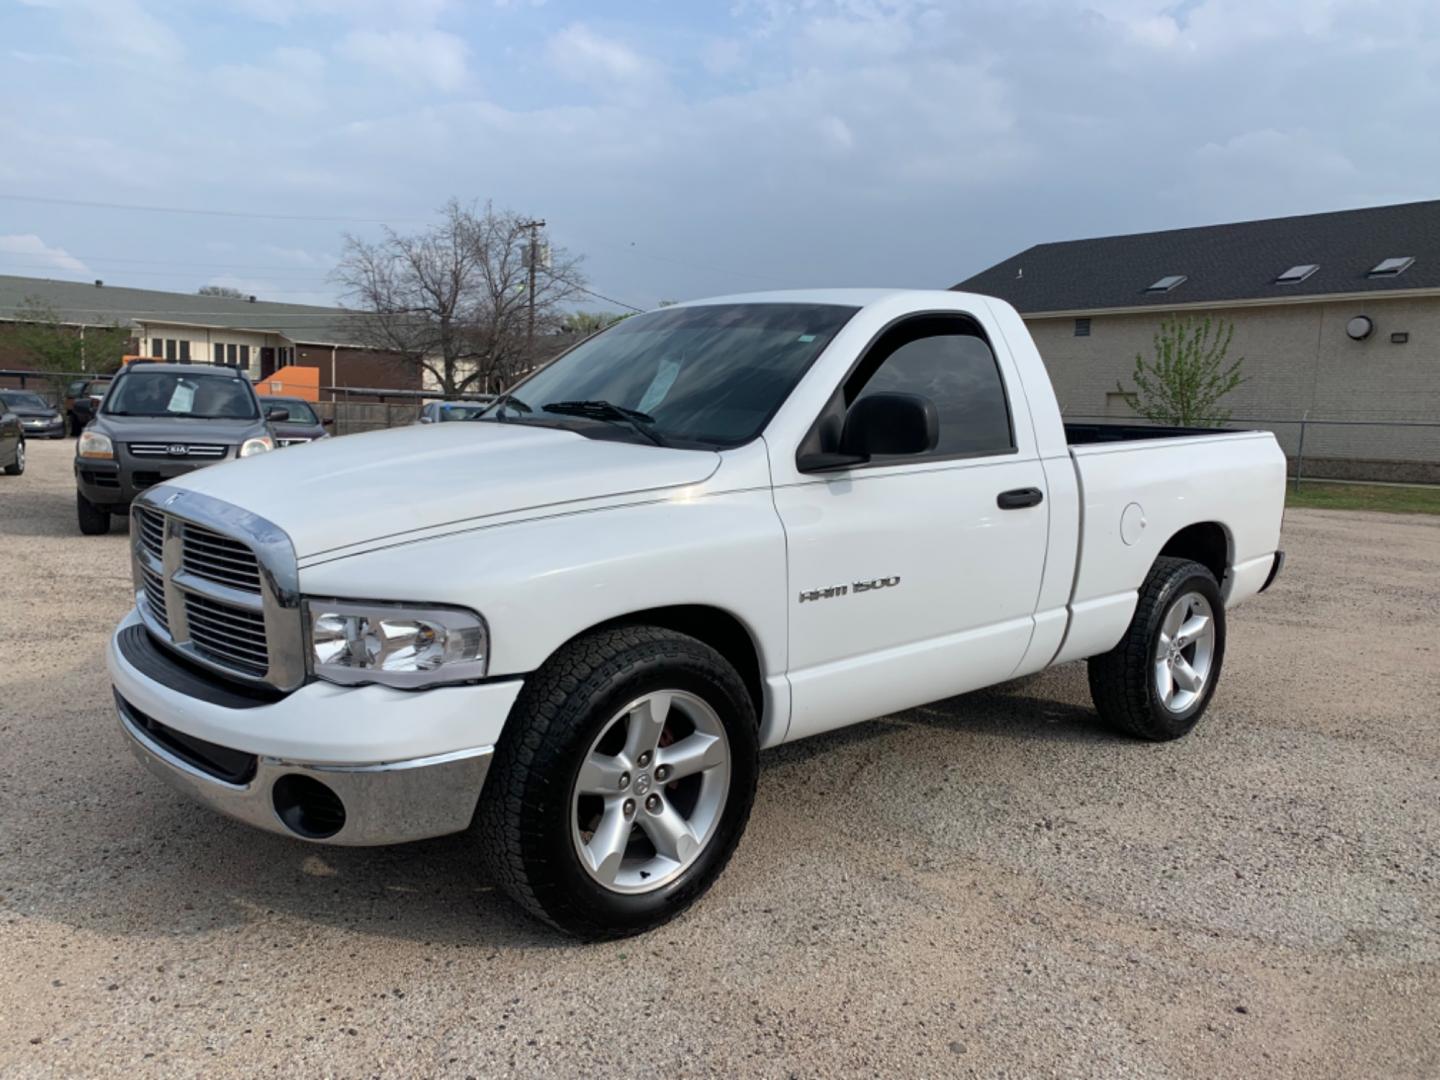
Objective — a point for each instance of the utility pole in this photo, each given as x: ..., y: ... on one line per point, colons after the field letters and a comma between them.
x: 532, y: 258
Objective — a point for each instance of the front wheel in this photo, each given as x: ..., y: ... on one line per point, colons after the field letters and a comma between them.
x: 1158, y: 681
x: 16, y: 467
x: 623, y: 781
x: 92, y: 520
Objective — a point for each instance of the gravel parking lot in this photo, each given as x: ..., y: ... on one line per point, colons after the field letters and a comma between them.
x: 987, y: 886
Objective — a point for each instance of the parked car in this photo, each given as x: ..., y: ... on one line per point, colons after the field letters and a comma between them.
x: 12, y: 441
x: 81, y: 400
x: 158, y: 422
x: 37, y: 416
x: 439, y: 412
x: 709, y: 529
x: 300, y: 423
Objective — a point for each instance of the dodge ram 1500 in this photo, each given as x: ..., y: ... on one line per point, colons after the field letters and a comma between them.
x: 576, y: 621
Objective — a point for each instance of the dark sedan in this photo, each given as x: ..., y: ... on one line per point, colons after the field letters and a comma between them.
x: 37, y: 416
x: 302, y: 425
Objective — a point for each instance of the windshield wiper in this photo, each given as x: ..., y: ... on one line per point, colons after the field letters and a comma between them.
x: 608, y: 412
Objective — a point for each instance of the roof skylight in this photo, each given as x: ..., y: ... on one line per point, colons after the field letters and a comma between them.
x: 1391, y: 267
x: 1166, y: 283
x: 1297, y: 273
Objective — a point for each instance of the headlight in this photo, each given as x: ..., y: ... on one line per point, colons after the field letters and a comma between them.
x: 257, y: 445
x: 95, y: 445
x: 354, y: 642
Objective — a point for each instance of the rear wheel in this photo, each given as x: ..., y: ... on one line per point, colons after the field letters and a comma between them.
x: 93, y: 520
x: 623, y: 781
x: 1156, y: 683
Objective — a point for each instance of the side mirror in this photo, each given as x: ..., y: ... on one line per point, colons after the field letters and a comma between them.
x: 890, y: 424
x: 327, y: 421
x: 276, y: 414
x: 886, y: 423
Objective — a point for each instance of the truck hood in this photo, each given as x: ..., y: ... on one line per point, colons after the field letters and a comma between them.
x: 338, y: 493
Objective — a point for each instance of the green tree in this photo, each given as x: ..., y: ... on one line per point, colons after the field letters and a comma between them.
x: 1183, y: 383
x: 59, y: 350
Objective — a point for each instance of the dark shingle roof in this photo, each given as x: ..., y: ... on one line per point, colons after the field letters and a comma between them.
x: 84, y: 303
x: 1223, y: 262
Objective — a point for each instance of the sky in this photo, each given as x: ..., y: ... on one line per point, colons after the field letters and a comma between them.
x: 690, y: 149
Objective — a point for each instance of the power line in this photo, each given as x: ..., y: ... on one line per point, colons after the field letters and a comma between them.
x: 94, y: 204
x: 608, y: 299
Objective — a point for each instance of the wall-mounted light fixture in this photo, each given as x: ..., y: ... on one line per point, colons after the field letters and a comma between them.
x: 1360, y: 327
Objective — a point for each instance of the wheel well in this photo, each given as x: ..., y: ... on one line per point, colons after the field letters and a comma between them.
x: 717, y: 628
x: 1206, y: 543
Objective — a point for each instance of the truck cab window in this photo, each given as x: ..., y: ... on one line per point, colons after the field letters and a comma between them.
x: 945, y: 360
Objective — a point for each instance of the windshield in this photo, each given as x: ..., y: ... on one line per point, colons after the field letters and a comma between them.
x: 18, y: 400
x: 167, y: 393
x: 300, y: 413
x: 709, y: 376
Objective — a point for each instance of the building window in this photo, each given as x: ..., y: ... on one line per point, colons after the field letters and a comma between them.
x: 244, y: 357
x: 1082, y: 327
x: 170, y: 349
x: 230, y: 355
x: 157, y: 348
x: 185, y: 351
x: 219, y: 353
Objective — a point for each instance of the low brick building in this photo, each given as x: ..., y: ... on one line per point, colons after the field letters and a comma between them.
x: 1337, y: 316
x: 258, y: 336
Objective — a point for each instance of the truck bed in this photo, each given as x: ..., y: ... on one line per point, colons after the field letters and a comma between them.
x: 1089, y: 433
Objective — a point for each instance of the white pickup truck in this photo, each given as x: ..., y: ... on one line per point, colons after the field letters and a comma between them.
x: 710, y: 529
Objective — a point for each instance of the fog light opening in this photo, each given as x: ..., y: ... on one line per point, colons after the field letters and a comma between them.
x: 307, y: 807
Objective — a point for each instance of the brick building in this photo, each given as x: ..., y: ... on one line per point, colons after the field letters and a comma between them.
x: 256, y: 335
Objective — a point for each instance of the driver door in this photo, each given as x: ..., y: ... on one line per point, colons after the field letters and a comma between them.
x: 909, y: 581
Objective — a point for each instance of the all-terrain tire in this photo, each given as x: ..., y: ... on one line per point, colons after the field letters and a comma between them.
x: 526, y: 811
x: 1122, y: 681
x: 93, y: 521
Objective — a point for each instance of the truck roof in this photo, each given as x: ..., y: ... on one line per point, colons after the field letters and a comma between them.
x: 843, y: 297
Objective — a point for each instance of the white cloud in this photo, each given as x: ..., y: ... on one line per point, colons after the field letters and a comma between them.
x: 606, y: 65
x: 288, y: 83
x: 105, y: 28
x: 32, y: 256
x: 431, y: 57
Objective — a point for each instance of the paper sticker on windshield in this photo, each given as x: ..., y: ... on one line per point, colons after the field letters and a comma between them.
x: 660, y: 385
x: 183, y: 399
x: 806, y: 338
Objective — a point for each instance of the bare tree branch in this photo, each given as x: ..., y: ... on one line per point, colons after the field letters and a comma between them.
x: 454, y: 300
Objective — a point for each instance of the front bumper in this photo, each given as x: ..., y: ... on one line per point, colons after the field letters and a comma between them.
x: 115, y: 483
x: 401, y: 765
x: 47, y: 429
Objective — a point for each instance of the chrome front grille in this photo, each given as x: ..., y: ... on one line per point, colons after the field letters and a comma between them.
x: 218, y: 585
x: 207, y: 451
x: 152, y: 532
x: 219, y: 559
x: 228, y: 634
x: 153, y: 586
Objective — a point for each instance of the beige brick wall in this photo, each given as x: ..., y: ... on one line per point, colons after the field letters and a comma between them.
x: 1298, y: 358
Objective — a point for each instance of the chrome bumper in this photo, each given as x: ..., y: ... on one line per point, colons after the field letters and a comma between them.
x: 386, y: 803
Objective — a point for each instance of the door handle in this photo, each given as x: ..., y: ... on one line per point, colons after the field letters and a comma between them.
x: 1019, y: 498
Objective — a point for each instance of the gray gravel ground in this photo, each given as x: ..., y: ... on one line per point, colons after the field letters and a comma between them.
x: 988, y: 886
